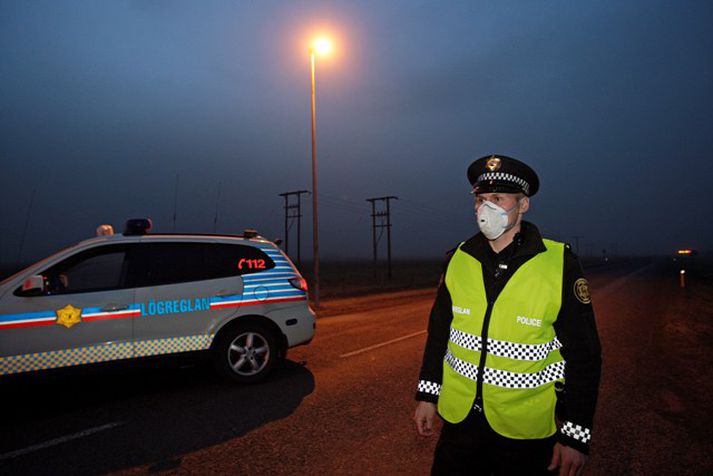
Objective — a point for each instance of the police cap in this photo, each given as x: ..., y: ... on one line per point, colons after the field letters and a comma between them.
x: 500, y: 173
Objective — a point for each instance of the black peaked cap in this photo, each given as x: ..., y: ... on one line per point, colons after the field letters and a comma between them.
x: 500, y: 173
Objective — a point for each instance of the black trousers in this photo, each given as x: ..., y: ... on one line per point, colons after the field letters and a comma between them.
x: 471, y: 447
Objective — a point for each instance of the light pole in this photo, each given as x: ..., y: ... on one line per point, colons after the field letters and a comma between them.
x: 321, y: 46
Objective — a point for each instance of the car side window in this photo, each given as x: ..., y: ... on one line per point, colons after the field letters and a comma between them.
x: 98, y: 269
x: 226, y: 260
x: 170, y: 263
x: 157, y: 264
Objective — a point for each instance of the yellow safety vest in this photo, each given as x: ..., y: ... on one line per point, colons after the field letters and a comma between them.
x: 522, y: 358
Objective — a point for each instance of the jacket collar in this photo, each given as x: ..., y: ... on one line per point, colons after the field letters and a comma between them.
x: 528, y: 242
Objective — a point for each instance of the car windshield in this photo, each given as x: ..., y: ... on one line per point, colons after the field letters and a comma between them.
x: 38, y: 263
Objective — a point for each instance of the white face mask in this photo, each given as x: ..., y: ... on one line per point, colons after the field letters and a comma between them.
x: 493, y: 219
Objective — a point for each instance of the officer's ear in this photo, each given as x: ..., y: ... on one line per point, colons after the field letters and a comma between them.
x: 524, y: 204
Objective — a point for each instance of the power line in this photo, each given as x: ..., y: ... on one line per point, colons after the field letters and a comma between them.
x: 346, y: 206
x: 356, y: 206
x: 420, y: 206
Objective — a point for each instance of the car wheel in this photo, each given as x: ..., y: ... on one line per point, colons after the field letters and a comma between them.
x: 247, y: 353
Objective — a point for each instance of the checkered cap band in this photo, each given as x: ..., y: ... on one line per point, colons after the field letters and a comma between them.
x: 503, y: 348
x: 578, y: 432
x: 505, y: 178
x: 429, y: 387
x: 502, y: 378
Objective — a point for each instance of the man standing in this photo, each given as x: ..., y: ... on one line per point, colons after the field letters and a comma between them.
x: 512, y: 360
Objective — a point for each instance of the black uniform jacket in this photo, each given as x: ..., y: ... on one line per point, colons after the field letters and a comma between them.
x: 575, y: 328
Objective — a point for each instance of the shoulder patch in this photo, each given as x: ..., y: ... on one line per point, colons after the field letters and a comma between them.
x: 581, y: 291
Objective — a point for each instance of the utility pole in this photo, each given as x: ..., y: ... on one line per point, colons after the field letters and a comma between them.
x: 384, y: 221
x: 217, y: 201
x: 24, y: 229
x: 293, y: 209
x: 175, y: 201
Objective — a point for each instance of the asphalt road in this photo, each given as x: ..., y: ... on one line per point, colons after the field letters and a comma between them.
x: 343, y: 404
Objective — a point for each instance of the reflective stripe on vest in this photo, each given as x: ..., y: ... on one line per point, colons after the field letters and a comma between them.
x: 522, y: 359
x: 503, y: 348
x: 503, y: 378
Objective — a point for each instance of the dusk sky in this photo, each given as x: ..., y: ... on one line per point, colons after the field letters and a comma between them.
x: 104, y: 104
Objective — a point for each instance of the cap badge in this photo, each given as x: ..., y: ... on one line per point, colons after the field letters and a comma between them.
x: 493, y: 164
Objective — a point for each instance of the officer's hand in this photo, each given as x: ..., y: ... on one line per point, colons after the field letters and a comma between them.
x: 424, y: 416
x: 569, y: 460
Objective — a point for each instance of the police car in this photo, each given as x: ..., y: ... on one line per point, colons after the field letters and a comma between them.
x: 138, y: 295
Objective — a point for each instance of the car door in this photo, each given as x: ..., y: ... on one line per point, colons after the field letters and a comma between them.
x: 177, y: 298
x: 84, y: 315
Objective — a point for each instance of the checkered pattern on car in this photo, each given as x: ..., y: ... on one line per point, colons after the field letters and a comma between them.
x: 65, y: 358
x: 503, y: 378
x: 101, y: 353
x: 429, y: 387
x: 578, y: 432
x: 172, y: 345
x: 506, y: 178
x: 502, y: 348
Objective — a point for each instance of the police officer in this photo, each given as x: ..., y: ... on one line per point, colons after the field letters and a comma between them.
x: 512, y: 360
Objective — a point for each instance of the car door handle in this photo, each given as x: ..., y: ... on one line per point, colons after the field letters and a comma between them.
x: 115, y: 307
x: 222, y: 294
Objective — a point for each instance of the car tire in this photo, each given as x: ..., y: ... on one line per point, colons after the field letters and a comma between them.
x: 247, y: 353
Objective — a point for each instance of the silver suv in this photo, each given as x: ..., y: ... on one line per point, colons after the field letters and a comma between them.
x: 138, y: 295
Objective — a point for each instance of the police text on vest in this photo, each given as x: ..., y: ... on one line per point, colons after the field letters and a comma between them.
x: 461, y: 310
x: 529, y: 321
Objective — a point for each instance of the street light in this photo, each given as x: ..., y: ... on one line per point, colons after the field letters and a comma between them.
x: 322, y: 46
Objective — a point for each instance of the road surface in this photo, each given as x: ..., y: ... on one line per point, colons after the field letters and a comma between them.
x: 343, y: 404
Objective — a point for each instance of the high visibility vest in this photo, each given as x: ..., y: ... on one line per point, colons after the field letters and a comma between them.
x: 522, y: 358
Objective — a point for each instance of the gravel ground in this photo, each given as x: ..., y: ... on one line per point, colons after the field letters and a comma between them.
x: 654, y: 414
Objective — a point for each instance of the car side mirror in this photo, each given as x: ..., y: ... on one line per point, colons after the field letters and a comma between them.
x: 33, y: 286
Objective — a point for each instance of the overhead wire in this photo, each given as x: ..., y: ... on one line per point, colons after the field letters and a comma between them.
x: 443, y: 219
x: 413, y: 209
